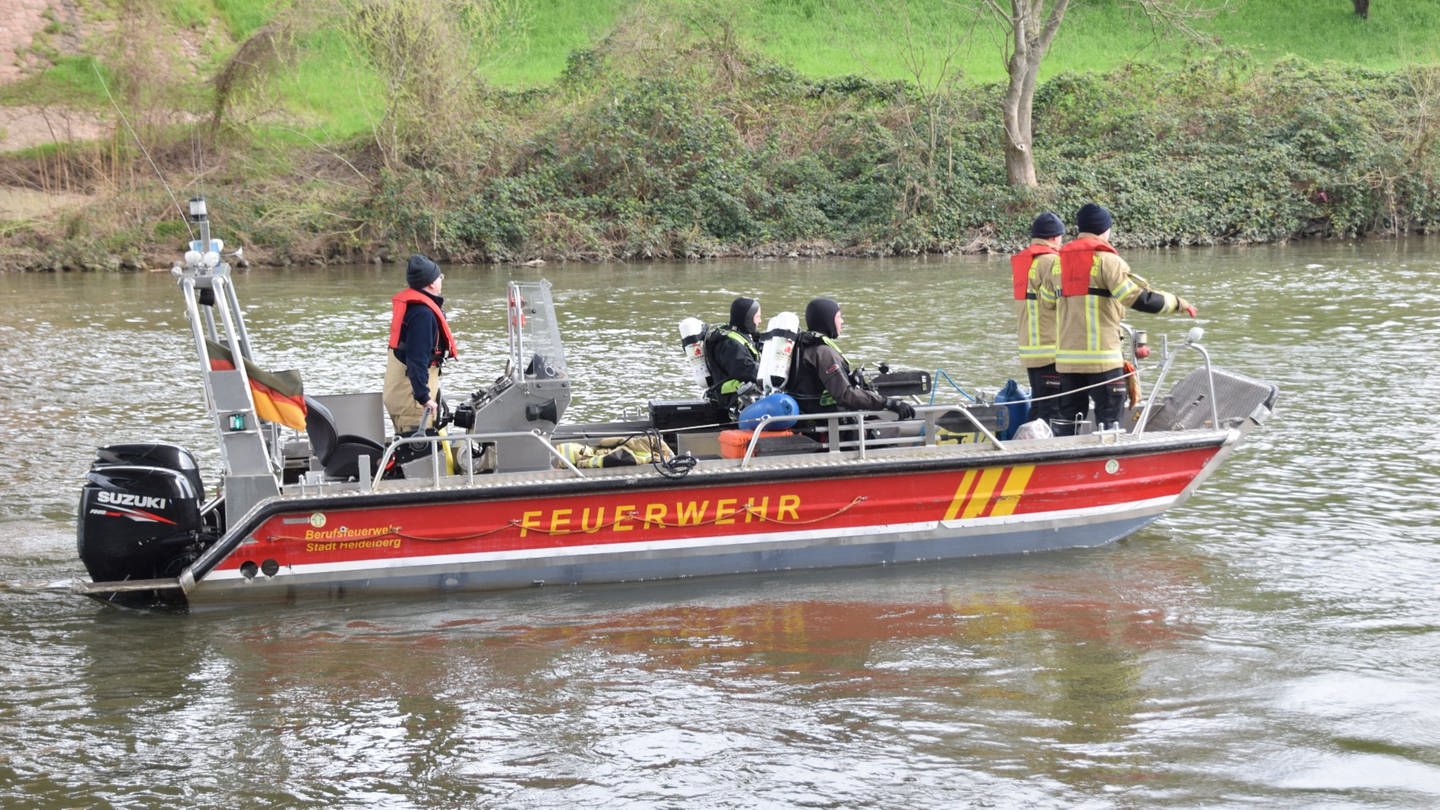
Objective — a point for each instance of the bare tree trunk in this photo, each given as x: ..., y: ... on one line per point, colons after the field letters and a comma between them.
x: 1029, y: 40
x: 1019, y: 160
x: 1362, y: 7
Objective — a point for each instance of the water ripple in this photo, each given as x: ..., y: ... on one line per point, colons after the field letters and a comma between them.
x: 1273, y: 642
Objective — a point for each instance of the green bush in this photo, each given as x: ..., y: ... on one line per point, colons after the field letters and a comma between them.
x: 667, y: 164
x: 664, y: 159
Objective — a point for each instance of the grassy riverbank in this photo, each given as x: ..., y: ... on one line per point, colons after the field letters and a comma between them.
x: 828, y: 38
x: 763, y: 129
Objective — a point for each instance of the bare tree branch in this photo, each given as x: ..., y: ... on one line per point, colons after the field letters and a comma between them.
x: 1030, y: 27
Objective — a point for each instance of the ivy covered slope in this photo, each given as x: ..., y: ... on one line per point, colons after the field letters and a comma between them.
x: 666, y: 141
x: 685, y: 160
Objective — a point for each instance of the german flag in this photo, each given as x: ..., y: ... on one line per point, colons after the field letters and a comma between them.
x: 279, y: 396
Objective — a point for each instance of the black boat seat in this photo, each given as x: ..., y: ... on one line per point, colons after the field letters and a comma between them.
x: 338, y: 453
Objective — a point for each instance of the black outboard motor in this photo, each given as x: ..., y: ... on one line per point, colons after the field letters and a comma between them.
x: 140, y: 512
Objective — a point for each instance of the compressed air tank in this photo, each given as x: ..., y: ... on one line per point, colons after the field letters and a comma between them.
x: 692, y: 340
x: 780, y: 336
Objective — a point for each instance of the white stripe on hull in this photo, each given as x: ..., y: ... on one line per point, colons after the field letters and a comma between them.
x: 696, y: 556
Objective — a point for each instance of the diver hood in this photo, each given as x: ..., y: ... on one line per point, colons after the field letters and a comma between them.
x: 742, y: 314
x: 820, y: 317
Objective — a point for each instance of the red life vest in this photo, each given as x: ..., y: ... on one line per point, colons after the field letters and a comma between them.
x: 1076, y: 259
x: 398, y: 304
x: 1020, y: 268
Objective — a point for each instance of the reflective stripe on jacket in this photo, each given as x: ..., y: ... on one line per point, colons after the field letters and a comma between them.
x: 1030, y: 272
x: 1095, y: 288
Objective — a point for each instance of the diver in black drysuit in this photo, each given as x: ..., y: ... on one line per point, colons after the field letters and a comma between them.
x: 732, y: 353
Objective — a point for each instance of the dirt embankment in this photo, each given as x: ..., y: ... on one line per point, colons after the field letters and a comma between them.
x: 24, y: 25
x: 28, y: 125
x: 23, y: 19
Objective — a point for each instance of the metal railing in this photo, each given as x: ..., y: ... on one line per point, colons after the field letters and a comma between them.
x: 1192, y: 341
x: 842, y: 430
x: 841, y: 436
x: 435, y: 455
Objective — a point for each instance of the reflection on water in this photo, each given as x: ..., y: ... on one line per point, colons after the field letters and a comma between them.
x: 1272, y: 642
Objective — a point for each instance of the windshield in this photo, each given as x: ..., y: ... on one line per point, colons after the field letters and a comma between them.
x: 535, y: 347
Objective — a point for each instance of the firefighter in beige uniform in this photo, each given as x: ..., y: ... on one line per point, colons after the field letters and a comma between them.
x: 420, y: 340
x: 1095, y: 286
x: 1031, y: 270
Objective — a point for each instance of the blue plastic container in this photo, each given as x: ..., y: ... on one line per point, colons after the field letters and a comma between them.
x: 1014, y: 409
x: 776, y: 405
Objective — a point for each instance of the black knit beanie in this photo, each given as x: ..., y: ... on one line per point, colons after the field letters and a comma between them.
x: 1092, y: 218
x: 421, y: 272
x: 1047, y: 226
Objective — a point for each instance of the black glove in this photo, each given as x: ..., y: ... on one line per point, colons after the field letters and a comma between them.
x: 902, y: 409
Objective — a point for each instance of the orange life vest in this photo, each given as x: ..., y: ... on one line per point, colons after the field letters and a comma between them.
x: 1020, y: 268
x: 400, y: 302
x: 1076, y: 259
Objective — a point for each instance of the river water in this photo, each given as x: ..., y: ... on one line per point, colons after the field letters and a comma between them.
x: 1274, y: 642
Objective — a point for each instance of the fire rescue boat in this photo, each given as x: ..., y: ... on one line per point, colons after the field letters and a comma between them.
x: 509, y: 495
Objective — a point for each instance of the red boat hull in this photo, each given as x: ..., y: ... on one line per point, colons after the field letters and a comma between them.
x: 650, y: 528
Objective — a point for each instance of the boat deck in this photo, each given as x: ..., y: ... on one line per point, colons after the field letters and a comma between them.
x: 720, y: 469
